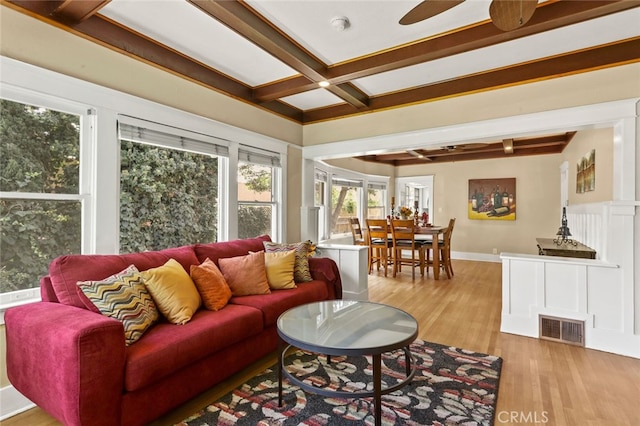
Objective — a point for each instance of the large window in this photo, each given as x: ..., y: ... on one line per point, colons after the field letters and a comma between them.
x: 258, y: 176
x: 40, y: 201
x: 168, y: 187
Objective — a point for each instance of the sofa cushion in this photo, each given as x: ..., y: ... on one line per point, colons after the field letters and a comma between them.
x: 215, y: 251
x: 166, y: 348
x: 173, y: 291
x: 124, y: 296
x: 279, y: 266
x: 301, y: 272
x: 66, y: 271
x: 274, y: 304
x: 246, y: 274
x: 212, y: 286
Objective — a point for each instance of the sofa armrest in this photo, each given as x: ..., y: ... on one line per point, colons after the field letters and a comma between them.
x: 67, y: 360
x: 326, y: 269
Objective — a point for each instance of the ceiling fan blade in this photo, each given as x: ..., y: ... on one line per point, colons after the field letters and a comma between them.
x: 509, y: 15
x: 427, y: 9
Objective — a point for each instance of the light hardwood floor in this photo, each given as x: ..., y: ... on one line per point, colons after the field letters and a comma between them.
x: 541, y: 382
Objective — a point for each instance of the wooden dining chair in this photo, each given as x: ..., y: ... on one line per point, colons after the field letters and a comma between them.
x: 356, y: 232
x: 403, y: 235
x: 444, y: 247
x: 379, y: 244
x: 445, y: 250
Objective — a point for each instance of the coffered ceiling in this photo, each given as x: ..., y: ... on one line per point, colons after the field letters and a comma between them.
x: 274, y: 53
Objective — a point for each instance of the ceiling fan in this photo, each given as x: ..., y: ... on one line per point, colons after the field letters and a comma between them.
x: 507, y: 15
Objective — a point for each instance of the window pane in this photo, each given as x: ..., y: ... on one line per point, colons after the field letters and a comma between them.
x: 344, y: 204
x: 375, y: 203
x: 34, y: 232
x: 168, y: 197
x: 319, y: 193
x: 254, y: 183
x: 254, y: 220
x: 256, y: 201
x: 39, y: 152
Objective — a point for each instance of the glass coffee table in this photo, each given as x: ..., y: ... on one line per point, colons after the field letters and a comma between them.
x: 345, y: 327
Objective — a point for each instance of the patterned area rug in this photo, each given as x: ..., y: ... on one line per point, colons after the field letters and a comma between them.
x: 451, y: 386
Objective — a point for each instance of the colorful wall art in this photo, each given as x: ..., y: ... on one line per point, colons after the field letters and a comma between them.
x: 492, y: 199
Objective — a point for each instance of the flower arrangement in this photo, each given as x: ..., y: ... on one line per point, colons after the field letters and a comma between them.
x: 405, y: 211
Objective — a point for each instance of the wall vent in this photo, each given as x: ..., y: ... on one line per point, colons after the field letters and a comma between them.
x: 562, y: 330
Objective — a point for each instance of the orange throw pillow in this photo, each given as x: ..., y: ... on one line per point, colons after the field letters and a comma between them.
x: 211, y: 285
x: 245, y: 274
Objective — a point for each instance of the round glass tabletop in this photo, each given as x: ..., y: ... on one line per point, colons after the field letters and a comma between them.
x: 347, y: 327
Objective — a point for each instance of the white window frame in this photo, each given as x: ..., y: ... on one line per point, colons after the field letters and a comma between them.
x: 85, y: 194
x: 321, y: 168
x: 100, y: 152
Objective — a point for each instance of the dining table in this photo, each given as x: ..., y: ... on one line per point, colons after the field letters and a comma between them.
x: 428, y: 233
x: 432, y: 233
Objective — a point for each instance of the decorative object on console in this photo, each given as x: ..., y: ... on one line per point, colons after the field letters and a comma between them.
x: 563, y: 233
x: 492, y: 199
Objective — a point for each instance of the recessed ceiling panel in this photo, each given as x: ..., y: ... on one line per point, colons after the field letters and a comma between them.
x: 373, y: 24
x: 183, y: 27
x: 621, y: 26
x: 312, y: 99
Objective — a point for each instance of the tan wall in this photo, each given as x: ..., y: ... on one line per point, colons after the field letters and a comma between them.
x: 582, y: 89
x: 583, y: 142
x: 293, y: 179
x: 537, y: 192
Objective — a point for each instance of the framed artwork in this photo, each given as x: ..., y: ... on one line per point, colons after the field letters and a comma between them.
x: 586, y: 173
x: 492, y: 199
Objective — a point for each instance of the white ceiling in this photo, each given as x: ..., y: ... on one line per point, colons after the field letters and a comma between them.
x: 373, y: 28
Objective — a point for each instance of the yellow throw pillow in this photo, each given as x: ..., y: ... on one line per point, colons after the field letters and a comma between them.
x: 245, y: 275
x: 173, y: 291
x: 279, y: 267
x: 212, y: 286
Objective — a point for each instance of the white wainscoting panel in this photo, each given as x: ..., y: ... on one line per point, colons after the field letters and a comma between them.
x: 578, y: 289
x: 352, y: 262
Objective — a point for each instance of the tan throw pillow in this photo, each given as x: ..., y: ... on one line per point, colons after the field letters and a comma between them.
x: 123, y: 296
x: 301, y: 272
x: 212, y: 286
x: 173, y: 291
x: 245, y: 274
x: 279, y: 266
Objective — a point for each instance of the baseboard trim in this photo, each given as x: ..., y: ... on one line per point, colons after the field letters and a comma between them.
x: 12, y: 402
x: 479, y: 257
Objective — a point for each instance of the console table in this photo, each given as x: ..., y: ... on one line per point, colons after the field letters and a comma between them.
x: 547, y: 247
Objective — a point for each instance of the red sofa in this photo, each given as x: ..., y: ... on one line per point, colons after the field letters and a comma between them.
x: 74, y: 363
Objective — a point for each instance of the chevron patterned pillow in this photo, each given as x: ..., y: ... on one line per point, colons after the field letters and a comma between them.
x: 124, y: 296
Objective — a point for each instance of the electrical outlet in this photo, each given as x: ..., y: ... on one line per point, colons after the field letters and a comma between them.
x: 495, y: 251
